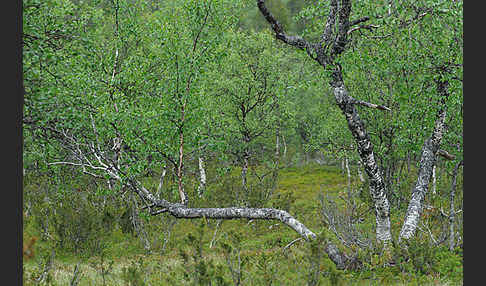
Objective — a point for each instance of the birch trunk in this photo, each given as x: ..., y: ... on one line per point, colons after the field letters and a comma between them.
x: 182, y: 192
x: 349, y: 178
x: 365, y: 150
x: 202, y: 173
x: 244, y: 171
x: 179, y: 210
x: 161, y: 181
x: 285, y: 146
x: 434, y: 180
x: 427, y: 161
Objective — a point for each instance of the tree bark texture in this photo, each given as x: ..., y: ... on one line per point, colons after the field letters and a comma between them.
x: 365, y: 151
x: 427, y: 162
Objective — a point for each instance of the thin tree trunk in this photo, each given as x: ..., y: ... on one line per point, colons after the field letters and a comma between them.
x: 182, y: 193
x: 452, y: 211
x: 360, y: 174
x: 434, y: 180
x: 277, y: 160
x: 161, y: 181
x: 244, y: 171
x: 138, y: 224
x: 427, y: 161
x: 202, y: 173
x: 349, y: 178
x: 408, y: 162
x: 285, y: 146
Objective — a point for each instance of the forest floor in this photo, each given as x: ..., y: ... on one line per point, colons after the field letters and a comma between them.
x: 200, y: 252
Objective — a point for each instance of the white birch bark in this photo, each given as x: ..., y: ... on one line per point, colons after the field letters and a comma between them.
x: 161, y: 181
x: 202, y: 177
x: 349, y: 177
x: 427, y: 161
x: 434, y: 180
x: 285, y: 146
x: 365, y: 150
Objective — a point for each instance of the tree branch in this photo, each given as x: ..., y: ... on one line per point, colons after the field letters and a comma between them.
x: 295, y: 41
x: 371, y: 105
x: 446, y: 154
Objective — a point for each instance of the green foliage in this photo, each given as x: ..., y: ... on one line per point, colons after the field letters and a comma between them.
x: 129, y: 79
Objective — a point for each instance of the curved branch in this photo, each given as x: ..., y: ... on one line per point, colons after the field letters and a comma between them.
x: 295, y: 41
x: 181, y: 211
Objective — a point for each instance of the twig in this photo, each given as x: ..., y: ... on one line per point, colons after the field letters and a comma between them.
x: 291, y: 243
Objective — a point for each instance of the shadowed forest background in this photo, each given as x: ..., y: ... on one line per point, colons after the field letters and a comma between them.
x: 277, y: 142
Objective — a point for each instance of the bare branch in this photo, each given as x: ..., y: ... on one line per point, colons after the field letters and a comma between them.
x: 367, y: 27
x: 371, y: 105
x: 446, y: 154
x: 292, y: 242
x: 295, y: 41
x: 358, y: 21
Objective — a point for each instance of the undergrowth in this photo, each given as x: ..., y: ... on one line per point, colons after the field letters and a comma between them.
x: 69, y: 241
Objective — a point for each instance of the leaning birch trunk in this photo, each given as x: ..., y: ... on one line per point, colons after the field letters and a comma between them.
x: 427, y: 161
x: 202, y: 179
x: 179, y: 210
x: 452, y: 212
x: 365, y: 150
x: 334, y: 36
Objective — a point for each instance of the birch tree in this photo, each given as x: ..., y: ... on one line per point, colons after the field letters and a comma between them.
x: 333, y: 38
x: 134, y: 101
x: 325, y: 51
